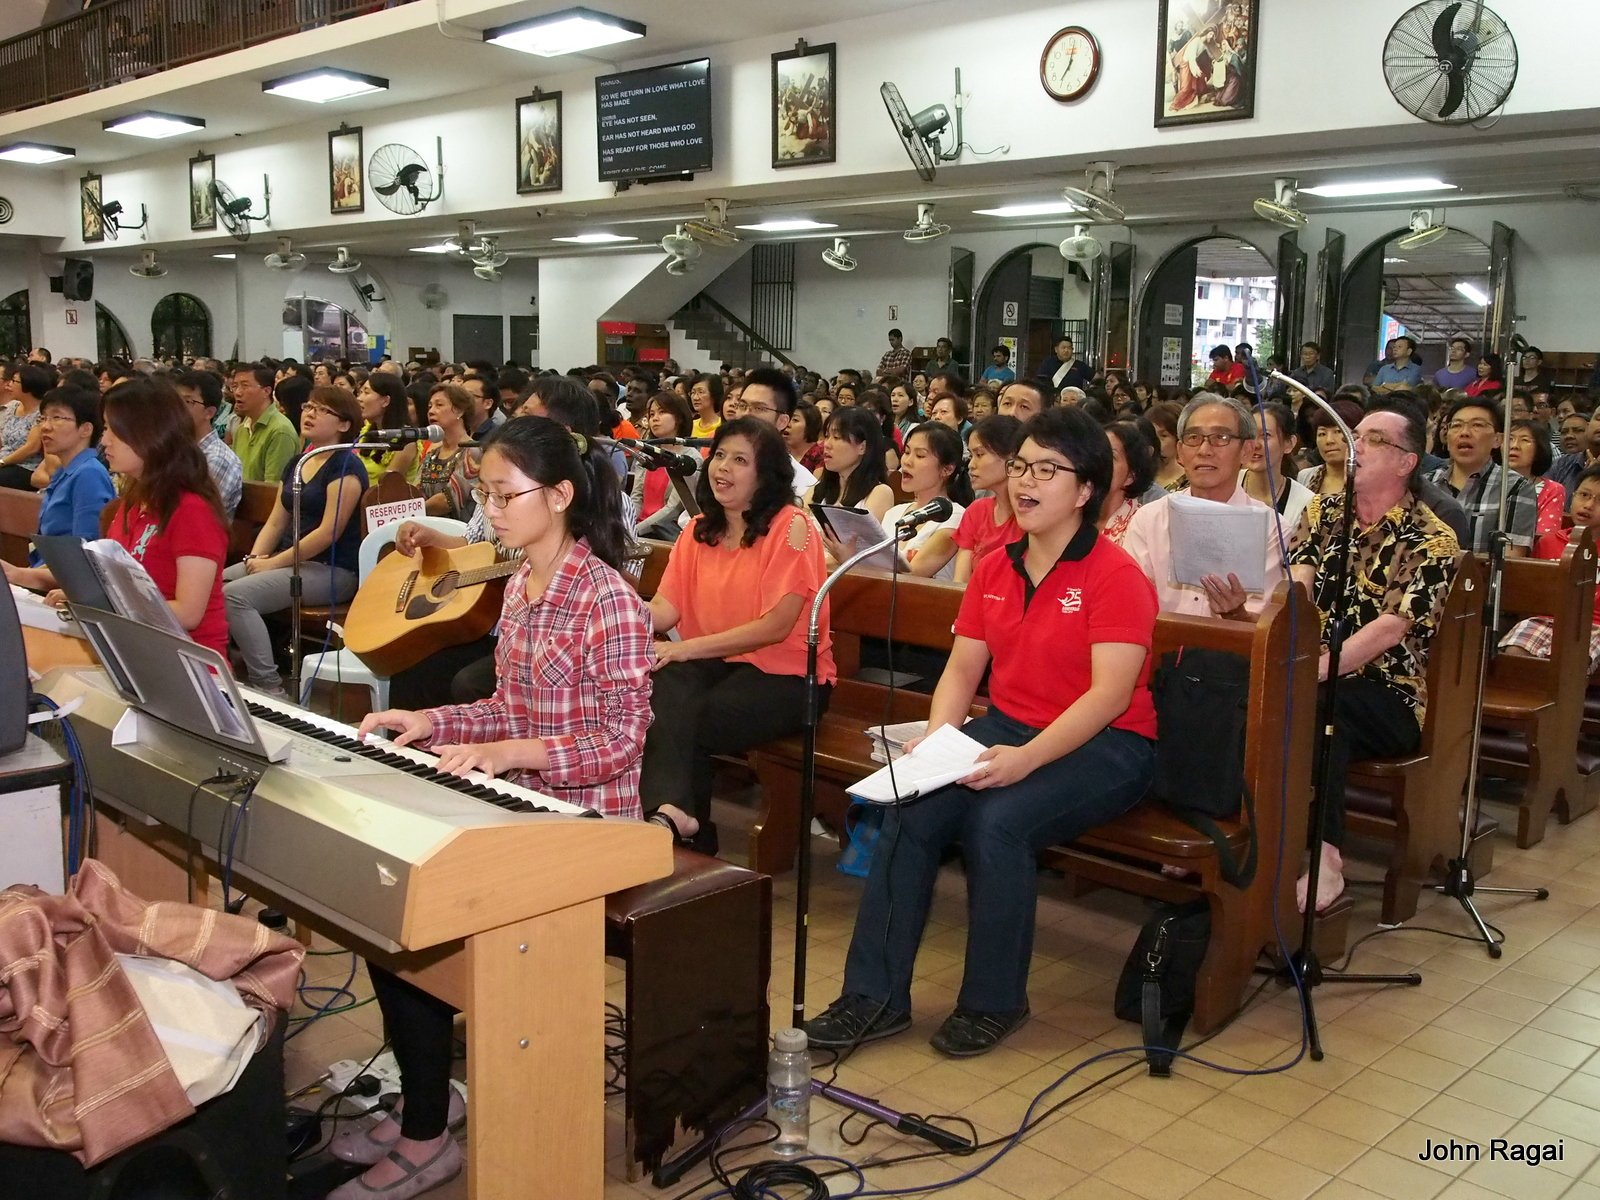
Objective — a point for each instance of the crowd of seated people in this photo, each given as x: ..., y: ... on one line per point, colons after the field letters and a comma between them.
x: 1060, y: 478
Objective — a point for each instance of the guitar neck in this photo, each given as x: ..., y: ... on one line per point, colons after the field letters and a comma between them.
x: 479, y: 575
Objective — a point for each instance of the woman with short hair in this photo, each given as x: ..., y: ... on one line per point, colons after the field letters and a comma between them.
x: 1133, y: 469
x: 655, y: 496
x: 446, y: 472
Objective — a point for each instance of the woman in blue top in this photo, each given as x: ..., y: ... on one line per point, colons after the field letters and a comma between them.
x: 69, y: 419
x: 329, y: 536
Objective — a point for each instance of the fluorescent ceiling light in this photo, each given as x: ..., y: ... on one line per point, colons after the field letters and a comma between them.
x: 1474, y: 294
x: 1047, y: 209
x: 153, y: 124
x: 789, y: 226
x: 569, y: 31
x: 1378, y: 187
x: 36, y: 152
x: 441, y: 248
x: 595, y: 239
x: 224, y: 256
x: 1390, y: 260
x: 324, y: 84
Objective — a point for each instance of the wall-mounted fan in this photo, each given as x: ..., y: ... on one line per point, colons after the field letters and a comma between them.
x: 433, y: 296
x: 1095, y: 199
x: 926, y: 229
x: 148, y: 267
x: 343, y: 264
x: 402, y: 179
x: 1450, y: 62
x: 1424, y: 230
x: 111, y: 218
x: 234, y: 211
x: 1080, y: 247
x: 682, y: 251
x: 1280, y: 208
x: 921, y: 133
x: 839, y: 257
x: 713, y: 229
x: 285, y: 257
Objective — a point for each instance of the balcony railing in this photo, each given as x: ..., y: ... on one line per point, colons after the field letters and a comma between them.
x: 126, y: 39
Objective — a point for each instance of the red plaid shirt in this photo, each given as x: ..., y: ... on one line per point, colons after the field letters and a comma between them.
x: 573, y: 668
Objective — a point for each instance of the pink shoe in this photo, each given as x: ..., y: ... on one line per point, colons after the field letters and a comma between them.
x: 357, y: 1145
x: 418, y: 1178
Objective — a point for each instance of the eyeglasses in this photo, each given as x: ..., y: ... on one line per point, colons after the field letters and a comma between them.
x: 740, y: 408
x: 319, y: 409
x: 1220, y: 440
x: 1469, y: 427
x: 1043, y: 469
x: 499, y: 500
x: 1376, y: 441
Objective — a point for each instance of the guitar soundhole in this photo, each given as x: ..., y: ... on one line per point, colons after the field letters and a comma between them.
x: 445, y: 585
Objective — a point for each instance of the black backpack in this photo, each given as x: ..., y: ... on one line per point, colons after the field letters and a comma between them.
x: 1202, y: 708
x: 1158, y: 980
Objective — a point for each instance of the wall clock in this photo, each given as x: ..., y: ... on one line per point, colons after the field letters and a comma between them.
x: 1070, y: 63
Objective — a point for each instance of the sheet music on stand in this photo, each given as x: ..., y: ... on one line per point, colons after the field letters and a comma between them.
x: 1209, y: 538
x: 132, y: 592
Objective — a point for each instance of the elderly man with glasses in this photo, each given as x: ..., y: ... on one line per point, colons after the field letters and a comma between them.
x: 1402, y: 563
x: 1214, y: 435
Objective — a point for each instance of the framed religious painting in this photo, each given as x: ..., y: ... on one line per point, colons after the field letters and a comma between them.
x: 202, y: 203
x: 1206, y: 61
x: 90, y: 198
x: 346, y: 185
x: 804, y: 106
x: 539, y: 143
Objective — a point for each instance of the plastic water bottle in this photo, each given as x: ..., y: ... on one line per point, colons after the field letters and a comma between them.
x: 789, y: 1092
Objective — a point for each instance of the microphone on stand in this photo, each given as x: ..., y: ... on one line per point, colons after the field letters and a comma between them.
x: 653, y: 456
x: 407, y: 434
x: 691, y: 441
x: 937, y: 509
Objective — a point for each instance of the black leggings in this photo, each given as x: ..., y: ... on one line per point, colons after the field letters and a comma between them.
x: 418, y: 1026
x: 711, y: 706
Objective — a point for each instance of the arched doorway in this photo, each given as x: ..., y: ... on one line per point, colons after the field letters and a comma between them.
x: 327, y: 331
x: 180, y: 327
x: 111, y: 340
x: 1429, y: 294
x: 1210, y: 291
x: 1029, y: 297
x: 16, y: 325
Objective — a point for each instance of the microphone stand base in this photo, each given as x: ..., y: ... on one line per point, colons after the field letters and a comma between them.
x: 1460, y: 885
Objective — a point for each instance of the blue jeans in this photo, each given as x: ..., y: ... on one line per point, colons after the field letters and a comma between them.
x: 1001, y: 831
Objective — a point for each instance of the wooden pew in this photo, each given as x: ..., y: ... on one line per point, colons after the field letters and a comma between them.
x: 19, y: 521
x: 255, y: 506
x: 1414, y: 802
x: 1533, y: 707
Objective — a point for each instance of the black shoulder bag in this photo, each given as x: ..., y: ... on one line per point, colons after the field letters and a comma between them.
x: 1157, y: 985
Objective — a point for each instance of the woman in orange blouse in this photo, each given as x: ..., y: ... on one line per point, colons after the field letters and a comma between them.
x: 737, y: 591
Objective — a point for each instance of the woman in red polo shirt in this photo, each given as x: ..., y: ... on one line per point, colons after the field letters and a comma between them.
x: 1066, y: 618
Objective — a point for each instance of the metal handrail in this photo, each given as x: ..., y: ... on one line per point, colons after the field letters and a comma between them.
x: 755, y: 338
x: 127, y: 39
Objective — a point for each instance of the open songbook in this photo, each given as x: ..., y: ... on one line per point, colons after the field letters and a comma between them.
x: 944, y: 756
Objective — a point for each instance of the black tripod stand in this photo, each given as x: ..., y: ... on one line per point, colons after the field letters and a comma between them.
x: 1304, y: 963
x: 1458, y: 881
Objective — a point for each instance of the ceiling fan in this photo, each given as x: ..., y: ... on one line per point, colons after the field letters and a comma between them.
x: 682, y: 251
x: 1424, y: 230
x: 285, y: 257
x: 1450, y: 62
x: 148, y: 267
x: 1080, y: 247
x: 343, y: 264
x: 1280, y: 208
x: 926, y: 229
x: 1095, y: 199
x: 839, y: 257
x: 713, y: 229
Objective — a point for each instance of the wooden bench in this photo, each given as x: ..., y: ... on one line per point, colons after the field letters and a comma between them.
x: 1129, y: 852
x: 19, y: 521
x: 1414, y: 802
x: 255, y: 506
x: 1533, y: 707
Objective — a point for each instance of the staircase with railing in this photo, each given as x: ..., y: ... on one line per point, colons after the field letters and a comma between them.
x: 724, y: 336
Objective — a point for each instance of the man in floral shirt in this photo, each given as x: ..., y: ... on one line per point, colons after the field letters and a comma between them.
x: 1402, y: 563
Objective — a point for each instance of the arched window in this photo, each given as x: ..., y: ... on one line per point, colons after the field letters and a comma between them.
x: 180, y: 326
x: 111, y: 340
x: 16, y: 328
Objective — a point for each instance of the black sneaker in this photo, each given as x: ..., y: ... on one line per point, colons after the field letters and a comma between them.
x: 967, y: 1033
x: 851, y: 1020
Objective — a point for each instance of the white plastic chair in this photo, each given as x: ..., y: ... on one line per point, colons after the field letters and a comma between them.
x: 341, y: 666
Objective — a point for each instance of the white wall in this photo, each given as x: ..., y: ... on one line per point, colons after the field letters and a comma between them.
x: 575, y: 293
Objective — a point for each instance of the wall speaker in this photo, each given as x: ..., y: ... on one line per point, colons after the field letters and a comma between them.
x: 77, y: 279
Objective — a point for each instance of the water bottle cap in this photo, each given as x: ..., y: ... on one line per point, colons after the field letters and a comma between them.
x: 790, y: 1041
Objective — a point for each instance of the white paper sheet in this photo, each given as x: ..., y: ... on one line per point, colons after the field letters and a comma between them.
x: 1209, y: 538
x: 945, y: 756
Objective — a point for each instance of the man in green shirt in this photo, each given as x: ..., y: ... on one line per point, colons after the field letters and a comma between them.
x: 265, y: 441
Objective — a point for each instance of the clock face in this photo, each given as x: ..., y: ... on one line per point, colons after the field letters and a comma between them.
x: 1070, y: 62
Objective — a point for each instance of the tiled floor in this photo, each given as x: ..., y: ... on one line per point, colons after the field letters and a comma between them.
x: 1482, y: 1050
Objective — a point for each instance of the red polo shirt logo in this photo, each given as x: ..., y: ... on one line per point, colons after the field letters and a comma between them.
x: 1072, y: 600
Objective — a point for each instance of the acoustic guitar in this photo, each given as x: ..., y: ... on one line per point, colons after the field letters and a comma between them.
x: 409, y: 608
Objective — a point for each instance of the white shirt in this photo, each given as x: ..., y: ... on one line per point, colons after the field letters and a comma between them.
x: 1149, y: 541
x: 925, y: 531
x: 804, y: 480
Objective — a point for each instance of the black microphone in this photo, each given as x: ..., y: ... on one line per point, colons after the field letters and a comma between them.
x: 1519, y: 343
x: 937, y: 509
x: 652, y: 456
x: 696, y: 442
x: 406, y: 435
